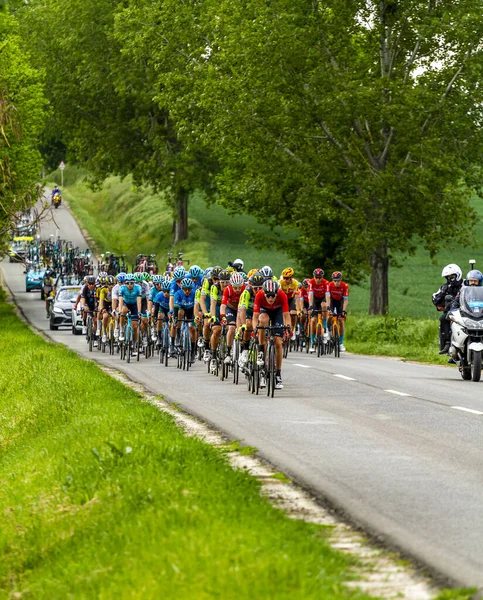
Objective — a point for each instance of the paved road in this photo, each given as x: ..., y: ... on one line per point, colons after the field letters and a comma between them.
x: 397, y: 446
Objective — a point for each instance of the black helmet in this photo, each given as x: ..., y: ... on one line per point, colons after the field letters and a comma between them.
x: 224, y: 275
x: 256, y: 280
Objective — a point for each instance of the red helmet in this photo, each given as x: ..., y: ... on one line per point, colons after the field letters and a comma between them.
x: 318, y: 273
x: 336, y: 276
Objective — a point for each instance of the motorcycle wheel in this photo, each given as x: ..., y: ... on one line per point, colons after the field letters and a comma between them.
x: 476, y: 366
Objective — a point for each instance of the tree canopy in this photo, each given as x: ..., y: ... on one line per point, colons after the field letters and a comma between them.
x: 357, y: 122
x: 22, y: 112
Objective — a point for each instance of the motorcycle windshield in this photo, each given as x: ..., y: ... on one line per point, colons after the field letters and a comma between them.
x: 471, y: 301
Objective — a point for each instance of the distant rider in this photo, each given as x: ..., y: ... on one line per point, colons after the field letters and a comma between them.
x: 443, y: 299
x: 56, y: 192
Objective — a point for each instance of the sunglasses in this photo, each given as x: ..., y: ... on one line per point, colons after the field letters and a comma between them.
x: 287, y: 278
x: 130, y: 283
x: 257, y: 287
x: 270, y: 294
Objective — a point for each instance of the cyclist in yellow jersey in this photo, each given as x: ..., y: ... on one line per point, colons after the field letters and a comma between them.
x: 291, y: 287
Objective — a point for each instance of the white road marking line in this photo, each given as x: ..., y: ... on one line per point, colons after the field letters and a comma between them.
x: 470, y: 410
x: 398, y: 393
x: 344, y: 377
x: 304, y: 366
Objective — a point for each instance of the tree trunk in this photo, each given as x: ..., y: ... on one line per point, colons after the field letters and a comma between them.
x: 181, y: 217
x: 379, y: 299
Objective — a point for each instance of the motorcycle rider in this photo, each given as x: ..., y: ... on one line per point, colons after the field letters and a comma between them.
x: 56, y: 192
x: 443, y: 299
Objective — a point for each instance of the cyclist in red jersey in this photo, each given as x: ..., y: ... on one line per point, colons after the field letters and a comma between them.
x: 229, y: 309
x: 271, y: 306
x: 339, y: 298
x: 318, y: 300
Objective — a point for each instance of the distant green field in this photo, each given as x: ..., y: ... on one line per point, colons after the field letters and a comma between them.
x: 121, y: 219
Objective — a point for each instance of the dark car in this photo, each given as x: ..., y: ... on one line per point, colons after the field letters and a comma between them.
x: 61, y: 314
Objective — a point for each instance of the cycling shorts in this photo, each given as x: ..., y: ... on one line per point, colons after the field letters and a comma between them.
x: 337, y: 306
x: 188, y: 312
x: 231, y: 315
x: 276, y: 319
x: 292, y: 305
x: 133, y: 309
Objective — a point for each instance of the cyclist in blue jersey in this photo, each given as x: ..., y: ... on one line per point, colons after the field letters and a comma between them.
x: 178, y: 275
x: 161, y: 306
x: 158, y: 281
x: 129, y: 301
x: 184, y: 303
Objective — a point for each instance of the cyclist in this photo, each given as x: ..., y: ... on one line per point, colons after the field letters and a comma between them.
x: 184, y: 303
x: 454, y: 280
x: 179, y: 274
x: 161, y: 304
x: 120, y: 279
x: 245, y: 314
x: 88, y: 300
x: 339, y: 298
x: 49, y: 288
x: 105, y: 304
x: 157, y: 287
x: 290, y: 286
x: 271, y: 306
x: 130, y: 301
x: 216, y: 293
x: 229, y: 309
x: 318, y: 300
x: 211, y: 278
x: 196, y: 274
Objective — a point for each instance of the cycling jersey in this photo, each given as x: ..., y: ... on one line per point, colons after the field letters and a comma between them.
x: 130, y: 296
x: 49, y: 282
x: 105, y: 294
x: 338, y: 292
x: 232, y: 298
x: 216, y: 293
x: 115, y: 292
x: 144, y: 285
x: 304, y: 294
x: 289, y: 287
x: 89, y: 294
x: 181, y: 300
x: 318, y: 289
x: 261, y: 302
x: 174, y: 287
x: 162, y: 300
x: 247, y: 299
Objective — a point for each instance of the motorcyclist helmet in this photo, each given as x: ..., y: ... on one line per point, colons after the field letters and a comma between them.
x: 238, y: 264
x: 452, y: 273
x: 474, y: 276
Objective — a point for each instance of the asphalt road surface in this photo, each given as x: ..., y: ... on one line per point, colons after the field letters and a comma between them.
x: 397, y: 446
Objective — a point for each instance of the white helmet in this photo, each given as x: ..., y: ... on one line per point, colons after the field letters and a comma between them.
x: 238, y: 264
x: 236, y: 279
x: 452, y: 270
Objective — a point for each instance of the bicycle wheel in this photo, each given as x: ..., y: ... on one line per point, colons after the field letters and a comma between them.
x: 187, y: 349
x: 235, y: 365
x: 137, y: 345
x: 336, y: 341
x: 271, y: 370
x: 166, y: 344
x: 129, y: 347
x: 222, y: 356
x: 286, y: 344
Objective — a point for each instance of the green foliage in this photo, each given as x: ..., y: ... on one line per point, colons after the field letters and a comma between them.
x: 102, y: 496
x: 22, y: 113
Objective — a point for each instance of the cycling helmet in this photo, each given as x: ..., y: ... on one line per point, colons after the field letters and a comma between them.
x: 238, y: 264
x: 306, y: 283
x: 90, y: 279
x: 266, y: 271
x: 48, y: 273
x: 158, y: 279
x: 336, y: 276
x: 102, y: 280
x: 138, y: 277
x: 103, y: 274
x: 130, y: 277
x: 187, y: 284
x: 145, y: 276
x: 270, y: 286
x: 236, y: 279
x: 244, y: 275
x: 475, y: 274
x: 252, y: 272
x: 451, y: 270
x: 318, y: 273
x: 166, y: 285
x: 195, y: 271
x: 215, y: 272
x: 231, y: 269
x: 288, y: 273
x: 224, y: 275
x: 179, y: 273
x: 207, y: 273
x: 121, y: 278
x: 110, y: 280
x: 256, y: 280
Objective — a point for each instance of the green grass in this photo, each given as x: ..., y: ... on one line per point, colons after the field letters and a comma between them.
x: 124, y: 219
x: 102, y: 496
x: 409, y: 339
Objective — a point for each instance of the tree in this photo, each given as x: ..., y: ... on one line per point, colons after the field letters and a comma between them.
x: 22, y: 113
x: 362, y: 112
x: 104, y: 102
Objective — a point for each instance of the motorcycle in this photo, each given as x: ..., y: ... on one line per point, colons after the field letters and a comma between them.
x: 467, y: 333
x: 56, y: 200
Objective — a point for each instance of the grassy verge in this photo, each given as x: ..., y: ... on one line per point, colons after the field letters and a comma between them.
x: 409, y: 339
x: 103, y: 497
